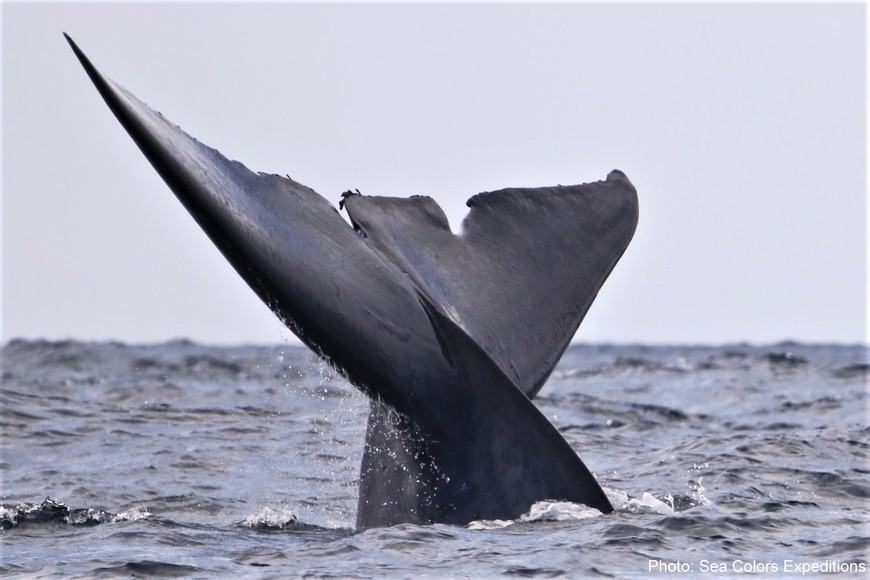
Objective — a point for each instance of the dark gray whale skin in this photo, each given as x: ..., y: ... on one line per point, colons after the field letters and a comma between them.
x: 450, y: 336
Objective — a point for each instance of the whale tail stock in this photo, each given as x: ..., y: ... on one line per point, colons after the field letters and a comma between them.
x: 451, y: 335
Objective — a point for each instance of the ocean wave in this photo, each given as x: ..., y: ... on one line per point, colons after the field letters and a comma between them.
x: 51, y: 511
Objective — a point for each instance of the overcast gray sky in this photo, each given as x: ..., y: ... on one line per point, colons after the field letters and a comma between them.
x: 742, y: 126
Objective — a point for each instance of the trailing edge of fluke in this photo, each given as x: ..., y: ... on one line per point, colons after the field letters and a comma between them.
x: 450, y: 335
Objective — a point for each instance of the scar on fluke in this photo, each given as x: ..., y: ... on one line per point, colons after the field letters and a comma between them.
x: 450, y: 335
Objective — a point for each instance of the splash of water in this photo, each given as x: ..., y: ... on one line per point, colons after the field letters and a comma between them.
x: 542, y: 511
x: 269, y: 519
x: 51, y: 511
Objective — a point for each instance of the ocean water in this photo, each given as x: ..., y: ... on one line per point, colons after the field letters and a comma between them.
x: 179, y: 459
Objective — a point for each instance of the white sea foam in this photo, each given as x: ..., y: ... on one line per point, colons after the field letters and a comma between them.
x: 664, y: 504
x: 490, y: 524
x: 698, y: 490
x: 8, y: 517
x: 131, y: 515
x: 558, y: 511
x: 616, y: 497
x: 542, y: 511
x: 270, y: 519
x: 653, y: 503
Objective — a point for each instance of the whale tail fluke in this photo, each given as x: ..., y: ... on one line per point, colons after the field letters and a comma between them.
x: 451, y: 335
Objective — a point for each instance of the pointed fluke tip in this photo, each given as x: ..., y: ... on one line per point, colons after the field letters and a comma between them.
x: 99, y: 81
x: 78, y: 52
x: 71, y: 42
x: 84, y: 60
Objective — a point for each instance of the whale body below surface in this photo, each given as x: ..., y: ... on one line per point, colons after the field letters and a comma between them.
x: 451, y: 336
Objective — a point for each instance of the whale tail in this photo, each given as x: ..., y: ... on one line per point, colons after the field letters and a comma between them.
x: 451, y: 335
